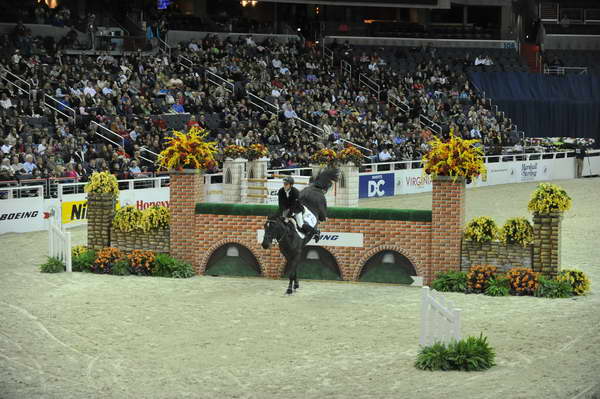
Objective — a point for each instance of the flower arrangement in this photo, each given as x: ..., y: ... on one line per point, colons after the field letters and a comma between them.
x: 523, y: 281
x: 324, y: 157
x: 141, y: 262
x: 156, y: 217
x: 517, y: 231
x: 455, y: 157
x: 479, y: 277
x: 102, y: 183
x: 481, y: 229
x: 549, y: 198
x: 105, y: 258
x: 579, y: 281
x: 256, y: 151
x: 187, y: 150
x: 234, y: 151
x: 127, y: 219
x: 78, y: 250
x: 351, y: 155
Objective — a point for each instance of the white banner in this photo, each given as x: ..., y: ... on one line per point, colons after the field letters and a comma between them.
x: 22, y: 215
x: 329, y: 239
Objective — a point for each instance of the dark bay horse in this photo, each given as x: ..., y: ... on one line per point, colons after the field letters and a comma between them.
x: 290, y: 246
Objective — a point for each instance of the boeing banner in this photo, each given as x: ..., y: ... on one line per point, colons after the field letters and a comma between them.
x: 381, y: 185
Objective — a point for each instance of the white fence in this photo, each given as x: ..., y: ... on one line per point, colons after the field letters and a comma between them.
x: 59, y: 243
x: 440, y: 320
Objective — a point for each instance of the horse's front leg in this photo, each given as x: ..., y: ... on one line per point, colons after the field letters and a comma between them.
x: 293, y: 283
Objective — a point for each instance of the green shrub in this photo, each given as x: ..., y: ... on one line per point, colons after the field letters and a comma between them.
x: 84, y: 261
x: 470, y: 354
x: 498, y: 286
x: 434, y: 357
x: 553, y: 288
x: 451, y: 281
x: 52, y: 265
x: 120, y: 268
x: 579, y: 281
x: 167, y: 266
x: 481, y: 229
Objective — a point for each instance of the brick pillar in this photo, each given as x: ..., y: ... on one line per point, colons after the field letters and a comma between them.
x: 447, y: 220
x: 187, y: 189
x: 100, y: 214
x: 547, y: 243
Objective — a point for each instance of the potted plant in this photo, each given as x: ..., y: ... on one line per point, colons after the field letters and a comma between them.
x: 351, y: 155
x: 234, y: 151
x: 454, y: 158
x: 188, y: 151
x: 256, y: 151
x: 325, y: 157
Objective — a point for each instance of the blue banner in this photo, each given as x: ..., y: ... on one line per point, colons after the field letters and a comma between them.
x: 376, y: 185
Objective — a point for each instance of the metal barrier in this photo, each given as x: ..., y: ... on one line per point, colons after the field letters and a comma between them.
x: 164, y: 47
x: 254, y: 97
x: 328, y: 53
x: 186, y: 62
x: 398, y: 103
x: 558, y: 70
x: 18, y: 79
x: 430, y: 124
x: 15, y: 192
x: 345, y: 67
x: 370, y: 84
x: 115, y: 139
x: 217, y: 80
x: 72, y: 114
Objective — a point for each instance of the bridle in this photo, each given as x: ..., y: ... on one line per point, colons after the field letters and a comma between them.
x: 276, y: 238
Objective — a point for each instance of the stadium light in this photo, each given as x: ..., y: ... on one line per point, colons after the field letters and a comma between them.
x: 245, y: 3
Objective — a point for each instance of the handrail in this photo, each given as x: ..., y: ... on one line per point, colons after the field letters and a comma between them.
x: 16, y: 77
x: 328, y: 53
x: 399, y: 103
x: 559, y: 70
x: 370, y: 83
x: 12, y: 189
x: 167, y: 48
x: 111, y: 132
x: 73, y: 117
x: 224, y: 81
x: 345, y: 67
x: 184, y: 58
x: 431, y: 124
x: 254, y: 96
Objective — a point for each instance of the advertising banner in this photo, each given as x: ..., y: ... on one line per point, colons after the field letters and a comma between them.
x: 329, y: 239
x: 22, y: 215
x: 412, y: 181
x: 381, y: 185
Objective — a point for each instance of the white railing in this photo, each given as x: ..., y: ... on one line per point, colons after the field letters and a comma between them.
x: 345, y: 67
x: 327, y: 53
x: 17, y: 79
x: 558, y: 70
x: 71, y: 115
x: 370, y: 84
x: 219, y: 81
x: 263, y: 104
x: 59, y: 243
x: 430, y: 124
x: 397, y: 102
x: 186, y: 62
x: 129, y: 184
x: 114, y: 138
x: 164, y: 47
x: 12, y: 192
x: 440, y: 320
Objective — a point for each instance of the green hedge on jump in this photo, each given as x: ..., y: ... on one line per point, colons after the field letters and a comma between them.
x: 408, y: 215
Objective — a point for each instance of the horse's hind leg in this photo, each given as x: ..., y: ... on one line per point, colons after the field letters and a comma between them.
x: 296, y: 285
x: 289, y: 289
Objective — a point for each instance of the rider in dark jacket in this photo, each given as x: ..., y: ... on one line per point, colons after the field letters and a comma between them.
x: 288, y: 198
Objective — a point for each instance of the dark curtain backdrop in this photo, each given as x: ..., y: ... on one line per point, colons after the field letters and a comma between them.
x: 545, y: 106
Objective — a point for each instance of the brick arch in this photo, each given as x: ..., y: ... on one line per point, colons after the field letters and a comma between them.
x: 333, y: 255
x: 417, y: 265
x: 204, y: 259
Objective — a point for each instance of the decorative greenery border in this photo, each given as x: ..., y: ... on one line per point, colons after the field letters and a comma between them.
x: 408, y: 215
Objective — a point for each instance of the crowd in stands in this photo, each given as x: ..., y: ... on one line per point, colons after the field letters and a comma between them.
x: 315, y: 104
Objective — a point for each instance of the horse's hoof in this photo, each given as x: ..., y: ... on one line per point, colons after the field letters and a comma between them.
x: 289, y: 291
x: 296, y: 286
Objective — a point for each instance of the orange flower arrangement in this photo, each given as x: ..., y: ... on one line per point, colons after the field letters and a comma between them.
x: 234, y: 151
x: 325, y: 156
x: 479, y: 276
x: 141, y: 262
x: 352, y: 155
x: 523, y: 281
x: 105, y: 258
x: 256, y: 151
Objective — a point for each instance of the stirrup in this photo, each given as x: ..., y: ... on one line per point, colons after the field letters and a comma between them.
x: 317, y: 235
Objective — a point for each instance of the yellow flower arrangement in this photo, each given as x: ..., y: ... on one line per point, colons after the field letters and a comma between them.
x: 325, y: 156
x: 127, y: 219
x: 256, y: 151
x: 578, y: 280
x: 156, y: 217
x: 517, y: 231
x: 78, y: 250
x: 549, y: 198
x: 481, y: 229
x: 455, y: 157
x: 352, y: 155
x: 234, y: 151
x: 102, y: 183
x: 187, y: 150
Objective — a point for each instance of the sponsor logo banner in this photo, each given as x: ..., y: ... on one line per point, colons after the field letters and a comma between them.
x: 21, y: 215
x: 329, y: 239
x: 381, y: 185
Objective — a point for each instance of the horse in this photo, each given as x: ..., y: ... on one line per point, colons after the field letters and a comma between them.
x: 290, y: 246
x: 312, y: 199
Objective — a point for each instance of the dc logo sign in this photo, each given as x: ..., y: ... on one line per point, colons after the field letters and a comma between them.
x: 375, y: 189
x: 371, y: 186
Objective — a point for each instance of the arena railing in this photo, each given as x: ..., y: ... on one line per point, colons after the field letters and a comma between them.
x: 115, y: 138
x: 558, y: 70
x: 164, y: 47
x: 396, y: 101
x: 7, y: 193
x: 328, y: 53
x: 72, y: 115
x: 345, y: 67
x: 219, y: 81
x: 266, y: 106
x: 18, y: 79
x: 430, y: 124
x: 186, y: 62
x: 370, y: 84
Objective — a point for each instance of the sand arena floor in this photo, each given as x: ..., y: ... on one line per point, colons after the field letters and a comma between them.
x: 89, y: 336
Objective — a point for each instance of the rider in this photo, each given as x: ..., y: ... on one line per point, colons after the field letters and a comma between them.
x: 290, y: 207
